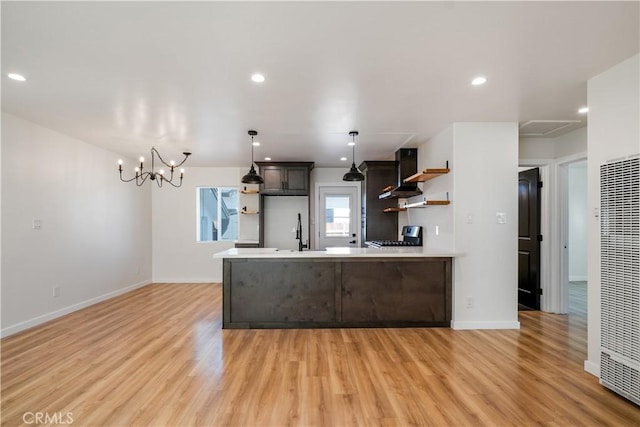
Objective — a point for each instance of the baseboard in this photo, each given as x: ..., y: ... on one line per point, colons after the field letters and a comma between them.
x: 578, y: 278
x: 182, y: 281
x: 460, y: 325
x: 592, y: 368
x: 19, y: 327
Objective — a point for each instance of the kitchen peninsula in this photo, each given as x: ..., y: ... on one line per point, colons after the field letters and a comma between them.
x: 339, y: 287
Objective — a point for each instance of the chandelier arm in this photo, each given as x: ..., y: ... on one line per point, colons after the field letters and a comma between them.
x: 169, y: 165
x: 186, y: 156
x: 174, y: 185
x: 126, y: 180
x: 140, y: 179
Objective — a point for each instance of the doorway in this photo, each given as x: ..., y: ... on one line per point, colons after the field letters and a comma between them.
x: 576, y: 226
x: 338, y: 224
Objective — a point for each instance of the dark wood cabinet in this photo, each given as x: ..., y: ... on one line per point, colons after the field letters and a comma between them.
x: 348, y: 292
x: 377, y: 224
x: 285, y: 178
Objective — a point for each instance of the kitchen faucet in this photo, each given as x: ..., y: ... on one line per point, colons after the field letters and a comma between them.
x: 299, y: 235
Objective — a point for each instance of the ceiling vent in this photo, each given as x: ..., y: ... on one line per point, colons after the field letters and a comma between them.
x: 545, y: 127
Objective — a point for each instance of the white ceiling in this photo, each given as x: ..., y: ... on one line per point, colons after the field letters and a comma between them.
x: 130, y: 75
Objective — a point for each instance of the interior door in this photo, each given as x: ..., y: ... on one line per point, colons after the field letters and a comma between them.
x: 338, y: 217
x: 529, y: 238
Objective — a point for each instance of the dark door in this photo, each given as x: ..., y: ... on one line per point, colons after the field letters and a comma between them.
x: 529, y: 238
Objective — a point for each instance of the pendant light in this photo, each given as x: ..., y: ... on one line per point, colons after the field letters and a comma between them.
x: 252, y: 177
x: 353, y: 174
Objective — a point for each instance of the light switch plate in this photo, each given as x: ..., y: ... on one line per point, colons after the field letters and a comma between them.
x: 37, y: 224
x: 501, y: 217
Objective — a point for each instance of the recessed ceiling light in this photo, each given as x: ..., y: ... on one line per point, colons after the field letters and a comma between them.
x: 256, y: 143
x: 267, y: 159
x: 343, y: 159
x: 258, y: 78
x: 18, y: 77
x: 583, y: 110
x: 479, y: 81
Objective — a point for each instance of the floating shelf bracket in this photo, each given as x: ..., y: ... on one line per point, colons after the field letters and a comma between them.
x: 426, y: 202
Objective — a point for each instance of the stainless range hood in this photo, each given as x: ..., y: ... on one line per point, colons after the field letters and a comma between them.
x: 406, y: 165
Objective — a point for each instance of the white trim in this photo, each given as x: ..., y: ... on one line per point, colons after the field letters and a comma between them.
x: 10, y: 330
x: 560, y: 289
x: 577, y: 278
x: 572, y: 158
x: 546, y: 253
x: 535, y: 162
x: 182, y: 280
x: 592, y: 368
x: 463, y: 325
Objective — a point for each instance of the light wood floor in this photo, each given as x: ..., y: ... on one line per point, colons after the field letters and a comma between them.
x: 158, y: 357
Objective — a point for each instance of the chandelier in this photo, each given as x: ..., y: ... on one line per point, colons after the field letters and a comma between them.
x: 160, y: 176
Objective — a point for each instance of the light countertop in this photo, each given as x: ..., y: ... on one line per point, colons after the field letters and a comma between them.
x: 333, y: 253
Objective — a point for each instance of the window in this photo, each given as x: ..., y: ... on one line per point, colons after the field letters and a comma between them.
x: 337, y: 216
x: 217, y: 214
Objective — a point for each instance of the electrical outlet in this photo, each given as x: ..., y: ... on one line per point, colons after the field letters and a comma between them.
x: 469, y: 302
x: 56, y: 291
x: 501, y: 217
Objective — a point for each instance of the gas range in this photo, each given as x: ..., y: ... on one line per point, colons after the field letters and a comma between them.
x: 411, y: 236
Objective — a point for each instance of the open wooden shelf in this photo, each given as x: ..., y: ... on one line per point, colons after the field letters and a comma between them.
x: 394, y: 209
x: 243, y: 212
x: 249, y: 191
x: 425, y: 203
x: 427, y: 174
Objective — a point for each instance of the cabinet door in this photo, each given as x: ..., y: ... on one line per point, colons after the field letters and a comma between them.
x: 274, y: 180
x: 297, y: 181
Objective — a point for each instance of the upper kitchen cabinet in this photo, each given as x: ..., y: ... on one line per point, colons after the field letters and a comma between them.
x: 285, y: 178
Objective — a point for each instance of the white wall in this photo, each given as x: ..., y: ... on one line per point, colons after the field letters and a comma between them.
x: 281, y: 219
x: 483, y: 158
x: 577, y: 231
x: 614, y: 111
x: 568, y: 144
x: 177, y: 255
x: 536, y: 148
x: 437, y: 221
x: 95, y: 240
x: 485, y: 175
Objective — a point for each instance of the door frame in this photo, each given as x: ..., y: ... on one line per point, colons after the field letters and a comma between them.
x: 316, y: 209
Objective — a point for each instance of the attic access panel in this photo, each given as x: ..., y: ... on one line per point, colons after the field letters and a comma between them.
x: 545, y: 127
